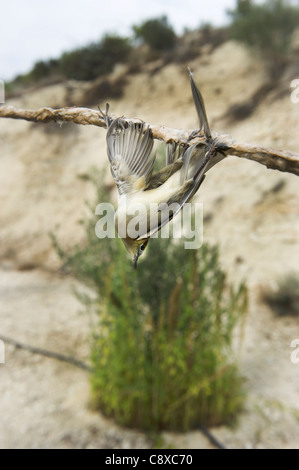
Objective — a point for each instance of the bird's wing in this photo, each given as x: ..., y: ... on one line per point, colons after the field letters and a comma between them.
x: 129, y: 147
x: 173, y: 152
x: 200, y: 107
x: 166, y: 211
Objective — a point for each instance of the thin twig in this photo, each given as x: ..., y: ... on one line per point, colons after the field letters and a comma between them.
x: 211, y: 437
x: 271, y: 158
x: 45, y: 352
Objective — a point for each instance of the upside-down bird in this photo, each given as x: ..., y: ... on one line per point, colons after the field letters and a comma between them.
x: 129, y: 148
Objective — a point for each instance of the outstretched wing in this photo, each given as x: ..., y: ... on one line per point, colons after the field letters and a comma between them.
x: 129, y: 147
x: 200, y: 107
x: 205, y: 157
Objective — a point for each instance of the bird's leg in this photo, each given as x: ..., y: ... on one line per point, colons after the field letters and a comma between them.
x: 105, y: 115
x: 212, y: 152
x: 195, y: 134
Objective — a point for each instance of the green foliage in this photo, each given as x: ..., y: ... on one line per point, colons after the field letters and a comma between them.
x: 285, y: 299
x: 43, y: 69
x: 266, y: 28
x: 156, y: 33
x: 96, y: 59
x: 86, y: 63
x: 162, y: 351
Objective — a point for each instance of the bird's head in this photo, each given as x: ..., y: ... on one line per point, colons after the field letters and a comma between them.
x: 135, y: 247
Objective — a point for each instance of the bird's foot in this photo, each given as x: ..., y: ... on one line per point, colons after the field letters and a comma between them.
x: 195, y: 134
x: 105, y: 116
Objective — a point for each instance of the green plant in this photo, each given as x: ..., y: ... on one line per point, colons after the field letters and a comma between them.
x: 162, y: 350
x: 266, y: 28
x: 156, y: 33
x: 43, y: 69
x: 285, y: 299
x: 96, y: 59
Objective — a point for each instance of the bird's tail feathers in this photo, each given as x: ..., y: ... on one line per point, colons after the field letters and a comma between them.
x: 200, y: 107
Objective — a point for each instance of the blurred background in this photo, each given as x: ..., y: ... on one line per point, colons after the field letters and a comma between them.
x: 199, y: 338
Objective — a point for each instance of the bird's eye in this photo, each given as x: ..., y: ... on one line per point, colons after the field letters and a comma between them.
x: 142, y: 248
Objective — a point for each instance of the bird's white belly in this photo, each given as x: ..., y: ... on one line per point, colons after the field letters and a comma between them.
x: 157, y: 195
x: 142, y: 202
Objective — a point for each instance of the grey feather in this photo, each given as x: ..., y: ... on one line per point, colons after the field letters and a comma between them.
x: 200, y: 107
x: 173, y: 152
x: 168, y: 210
x: 129, y: 147
x: 186, y: 163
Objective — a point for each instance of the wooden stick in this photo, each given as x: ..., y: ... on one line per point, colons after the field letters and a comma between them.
x: 272, y: 158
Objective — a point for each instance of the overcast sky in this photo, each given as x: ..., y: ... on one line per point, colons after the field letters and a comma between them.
x: 32, y: 30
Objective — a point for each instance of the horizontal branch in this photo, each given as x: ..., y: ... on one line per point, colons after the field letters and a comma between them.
x: 84, y: 116
x: 271, y: 158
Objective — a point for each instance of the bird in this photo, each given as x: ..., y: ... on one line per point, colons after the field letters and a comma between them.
x: 131, y: 157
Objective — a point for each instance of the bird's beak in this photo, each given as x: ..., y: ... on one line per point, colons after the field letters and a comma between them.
x: 135, y: 262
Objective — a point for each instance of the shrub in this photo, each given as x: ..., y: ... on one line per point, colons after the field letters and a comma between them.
x: 266, y: 28
x: 156, y: 33
x: 162, y: 350
x: 96, y: 59
x: 43, y: 69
